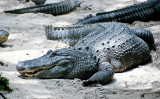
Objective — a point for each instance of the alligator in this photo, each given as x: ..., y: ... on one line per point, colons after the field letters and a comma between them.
x: 145, y: 11
x: 95, y: 57
x: 3, y: 36
x: 62, y: 7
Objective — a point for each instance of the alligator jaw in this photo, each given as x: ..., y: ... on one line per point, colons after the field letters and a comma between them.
x: 3, y: 39
x: 32, y: 73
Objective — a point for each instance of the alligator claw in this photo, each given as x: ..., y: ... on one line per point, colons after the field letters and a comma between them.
x: 88, y: 82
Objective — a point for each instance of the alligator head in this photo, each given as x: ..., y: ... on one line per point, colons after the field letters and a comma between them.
x: 44, y: 63
x: 3, y: 36
x: 54, y: 64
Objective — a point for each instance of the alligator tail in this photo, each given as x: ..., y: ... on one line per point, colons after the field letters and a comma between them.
x: 54, y: 8
x: 34, y: 9
x: 144, y: 11
x: 70, y: 34
x: 157, y: 10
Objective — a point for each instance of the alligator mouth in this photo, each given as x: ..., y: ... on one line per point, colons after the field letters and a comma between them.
x: 33, y: 73
x: 4, y: 38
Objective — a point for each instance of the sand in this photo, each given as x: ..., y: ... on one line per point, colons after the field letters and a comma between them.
x: 27, y: 41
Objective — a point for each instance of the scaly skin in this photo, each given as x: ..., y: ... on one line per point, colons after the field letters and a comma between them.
x: 72, y: 34
x: 54, y: 8
x: 94, y: 58
x: 3, y: 36
x: 147, y: 36
x: 145, y: 11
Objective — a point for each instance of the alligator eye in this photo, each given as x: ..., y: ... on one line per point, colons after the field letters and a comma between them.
x: 49, y: 51
x: 54, y: 54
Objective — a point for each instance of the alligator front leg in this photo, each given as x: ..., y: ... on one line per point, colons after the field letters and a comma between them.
x: 103, y: 76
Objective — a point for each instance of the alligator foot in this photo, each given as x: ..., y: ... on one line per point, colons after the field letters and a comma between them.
x: 103, y: 76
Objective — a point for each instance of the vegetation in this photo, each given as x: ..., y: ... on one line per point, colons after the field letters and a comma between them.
x: 1, y: 63
x: 4, y: 84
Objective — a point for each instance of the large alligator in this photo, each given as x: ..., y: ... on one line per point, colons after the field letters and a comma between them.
x: 62, y: 7
x: 3, y: 36
x: 112, y: 47
x: 145, y: 11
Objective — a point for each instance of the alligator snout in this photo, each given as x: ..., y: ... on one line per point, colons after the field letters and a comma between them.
x: 20, y: 66
x: 3, y: 36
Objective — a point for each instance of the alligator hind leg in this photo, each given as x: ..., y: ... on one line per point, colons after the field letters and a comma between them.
x: 147, y: 36
x: 118, y: 67
x: 103, y: 76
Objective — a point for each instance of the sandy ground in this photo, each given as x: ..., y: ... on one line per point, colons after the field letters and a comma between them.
x: 27, y: 41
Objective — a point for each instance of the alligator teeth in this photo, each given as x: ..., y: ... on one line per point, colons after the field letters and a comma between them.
x: 33, y: 73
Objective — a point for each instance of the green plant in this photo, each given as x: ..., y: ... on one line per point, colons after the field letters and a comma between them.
x: 4, y: 86
x: 1, y: 63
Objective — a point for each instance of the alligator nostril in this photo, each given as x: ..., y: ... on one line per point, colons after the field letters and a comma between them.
x: 20, y: 66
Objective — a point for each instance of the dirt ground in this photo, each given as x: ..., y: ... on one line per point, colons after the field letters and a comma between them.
x: 27, y: 41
